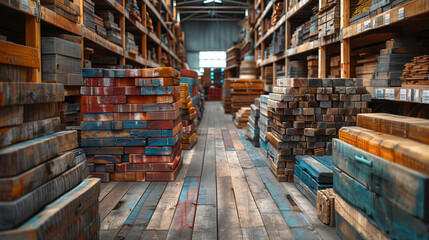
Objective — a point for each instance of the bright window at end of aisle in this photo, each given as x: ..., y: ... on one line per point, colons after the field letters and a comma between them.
x: 212, y: 59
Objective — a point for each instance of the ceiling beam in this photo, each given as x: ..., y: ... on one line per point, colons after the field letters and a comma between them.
x: 216, y: 19
x: 236, y: 2
x: 187, y: 2
x: 213, y: 7
x: 215, y: 11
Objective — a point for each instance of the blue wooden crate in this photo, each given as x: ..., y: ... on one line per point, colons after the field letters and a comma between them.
x: 402, y: 186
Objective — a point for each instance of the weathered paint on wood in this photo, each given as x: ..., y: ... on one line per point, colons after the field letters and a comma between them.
x: 19, y: 93
x: 316, y: 169
x: 113, y: 142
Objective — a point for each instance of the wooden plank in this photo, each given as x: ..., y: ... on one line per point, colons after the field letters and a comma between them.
x: 51, y: 222
x: 105, y: 189
x: 183, y: 220
x: 154, y: 234
x: 205, y: 226
x: 20, y: 55
x: 113, y: 198
x: 12, y: 115
x: 116, y: 218
x: 316, y: 169
x: 18, y: 93
x: 140, y: 216
x: 25, y: 155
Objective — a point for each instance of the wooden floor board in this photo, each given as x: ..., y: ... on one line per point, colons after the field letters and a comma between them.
x: 225, y: 190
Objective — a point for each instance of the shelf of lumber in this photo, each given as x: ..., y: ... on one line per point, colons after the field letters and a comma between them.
x: 270, y: 60
x: 264, y: 13
x: 394, y: 15
x: 59, y: 21
x: 115, y: 5
x: 28, y: 7
x: 18, y: 55
x: 412, y: 93
x: 158, y: 15
x: 95, y: 38
x: 305, y: 47
x: 271, y: 30
x: 135, y: 23
x: 296, y: 9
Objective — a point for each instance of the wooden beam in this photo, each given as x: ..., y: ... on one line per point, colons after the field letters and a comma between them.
x: 345, y: 43
x: 20, y: 55
x: 322, y: 62
x: 33, y: 39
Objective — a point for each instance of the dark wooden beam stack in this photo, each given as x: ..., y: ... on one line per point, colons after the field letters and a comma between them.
x: 382, y: 172
x: 131, y: 126
x: 244, y: 92
x: 252, y: 133
x: 417, y: 72
x: 189, y: 115
x: 305, y: 115
x: 42, y: 169
x: 65, y: 8
x: 112, y: 27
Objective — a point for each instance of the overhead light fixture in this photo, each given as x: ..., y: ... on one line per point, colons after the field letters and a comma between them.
x: 211, y: 1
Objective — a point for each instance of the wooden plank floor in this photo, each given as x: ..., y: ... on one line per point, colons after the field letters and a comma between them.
x: 225, y: 190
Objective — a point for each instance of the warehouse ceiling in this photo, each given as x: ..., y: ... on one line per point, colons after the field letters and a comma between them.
x: 212, y: 10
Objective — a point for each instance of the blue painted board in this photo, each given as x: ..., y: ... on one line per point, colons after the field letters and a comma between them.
x: 309, y: 181
x: 113, y: 142
x: 157, y: 90
x: 305, y: 190
x: 404, y: 187
x: 317, y: 170
x: 165, y: 141
x: 113, y: 125
x: 92, y: 72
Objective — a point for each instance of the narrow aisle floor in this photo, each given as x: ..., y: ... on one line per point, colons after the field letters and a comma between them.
x: 225, y: 190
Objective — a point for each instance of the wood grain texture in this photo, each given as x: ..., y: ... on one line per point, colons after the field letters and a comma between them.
x: 113, y: 198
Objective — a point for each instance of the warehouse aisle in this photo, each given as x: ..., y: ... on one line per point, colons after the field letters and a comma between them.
x: 225, y: 190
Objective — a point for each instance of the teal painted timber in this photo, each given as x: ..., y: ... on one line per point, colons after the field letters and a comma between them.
x: 344, y: 230
x: 317, y: 170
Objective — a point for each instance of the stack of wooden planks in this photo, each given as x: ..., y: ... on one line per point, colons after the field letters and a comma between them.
x: 417, y: 72
x: 381, y: 177
x: 252, y: 133
x: 133, y: 9
x: 311, y: 174
x: 131, y: 126
x: 392, y: 59
x: 365, y: 67
x: 61, y: 61
x: 335, y: 67
x: 305, y: 114
x: 226, y: 95
x: 41, y: 188
x: 89, y: 17
x: 189, y: 114
x: 68, y: 9
x: 130, y: 43
x: 244, y: 92
x: 267, y: 78
x: 277, y: 13
x: 241, y: 117
x: 191, y: 78
x: 263, y: 124
x: 329, y: 20
x: 112, y: 28
x: 312, y: 66
x: 296, y: 69
x: 233, y: 55
x: 206, y: 78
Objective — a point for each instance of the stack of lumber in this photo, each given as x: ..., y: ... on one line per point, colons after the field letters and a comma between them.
x: 329, y: 20
x: 381, y: 177
x: 61, y: 61
x: 417, y: 72
x: 311, y: 174
x: 42, y: 188
x: 65, y: 8
x: 189, y: 114
x: 241, y: 117
x: 312, y: 66
x: 277, y: 13
x: 191, y: 78
x: 99, y: 26
x: 305, y: 115
x: 89, y: 19
x: 311, y: 30
x: 278, y: 42
x: 131, y: 126
x: 71, y: 113
x: 267, y: 78
x: 335, y: 67
x: 226, y: 95
x: 133, y: 9
x: 296, y: 69
x: 130, y: 43
x: 365, y: 68
x: 252, y: 133
x: 206, y: 78
x: 233, y: 55
x: 359, y: 10
x: 244, y: 92
x: 297, y: 37
x: 112, y: 28
x: 392, y: 59
x: 263, y: 124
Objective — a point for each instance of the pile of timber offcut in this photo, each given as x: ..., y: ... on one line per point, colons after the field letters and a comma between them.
x: 189, y: 115
x: 42, y: 187
x: 244, y: 92
x: 131, y: 126
x: 381, y: 177
x: 417, y: 72
x: 241, y: 117
x: 252, y: 133
x: 263, y: 124
x: 305, y: 115
x: 311, y: 174
x: 392, y: 59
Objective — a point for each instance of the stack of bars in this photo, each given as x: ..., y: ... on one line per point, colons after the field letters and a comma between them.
x: 392, y: 59
x: 191, y: 78
x: 189, y: 115
x: 112, y: 28
x: 312, y: 66
x: 131, y: 127
x: 42, y: 188
x: 263, y: 124
x: 311, y: 174
x: 305, y: 115
x: 417, y: 72
x: 241, y: 117
x: 252, y: 126
x: 68, y: 9
x: 381, y: 177
x: 61, y: 61
x: 244, y: 92
x: 89, y: 15
x: 226, y: 95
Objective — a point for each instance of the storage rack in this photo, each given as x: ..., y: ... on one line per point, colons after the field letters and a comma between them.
x: 29, y: 54
x: 408, y: 18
